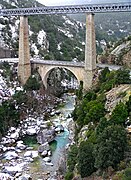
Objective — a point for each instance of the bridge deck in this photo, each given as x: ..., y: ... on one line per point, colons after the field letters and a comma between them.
x: 47, y: 62
x: 72, y: 9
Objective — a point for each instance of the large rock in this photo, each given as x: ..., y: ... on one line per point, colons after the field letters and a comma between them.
x: 44, y: 153
x: 59, y: 128
x: 25, y: 177
x: 4, y: 176
x: 45, y: 136
x: 10, y: 155
x: 32, y: 154
x: 44, y: 147
x: 47, y: 159
x: 31, y: 131
x: 20, y: 145
x: 12, y: 170
x: 15, y: 135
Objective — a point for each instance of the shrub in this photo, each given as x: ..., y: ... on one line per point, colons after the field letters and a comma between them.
x: 69, y: 175
x: 32, y: 84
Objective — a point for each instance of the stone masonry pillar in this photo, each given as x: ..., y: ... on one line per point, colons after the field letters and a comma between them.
x: 90, y: 45
x: 90, y: 52
x: 24, y: 66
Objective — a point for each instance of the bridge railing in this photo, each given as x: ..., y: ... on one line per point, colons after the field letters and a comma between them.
x: 72, y: 9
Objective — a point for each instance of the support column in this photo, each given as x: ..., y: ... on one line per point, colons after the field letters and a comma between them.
x: 24, y: 67
x: 90, y: 45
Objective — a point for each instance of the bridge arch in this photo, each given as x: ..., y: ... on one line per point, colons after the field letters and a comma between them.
x: 44, y: 71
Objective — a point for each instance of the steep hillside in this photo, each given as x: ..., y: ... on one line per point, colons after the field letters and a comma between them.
x: 55, y: 36
x: 119, y: 54
x: 110, y: 26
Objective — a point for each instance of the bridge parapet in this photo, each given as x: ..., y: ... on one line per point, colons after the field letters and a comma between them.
x: 58, y: 63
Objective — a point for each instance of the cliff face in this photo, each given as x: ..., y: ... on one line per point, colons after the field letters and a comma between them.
x: 119, y: 54
x: 127, y: 59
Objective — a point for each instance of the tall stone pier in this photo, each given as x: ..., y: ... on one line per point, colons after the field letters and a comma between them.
x: 24, y: 66
x: 90, y: 51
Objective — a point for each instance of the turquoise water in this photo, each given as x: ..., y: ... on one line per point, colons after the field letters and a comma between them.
x: 62, y: 139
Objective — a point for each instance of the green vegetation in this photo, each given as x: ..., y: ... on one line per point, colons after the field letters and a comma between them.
x: 30, y: 141
x: 105, y: 143
x: 110, y: 148
x: 72, y: 158
x: 119, y: 114
x: 9, y: 116
x: 86, y: 159
x: 108, y: 80
x: 32, y: 84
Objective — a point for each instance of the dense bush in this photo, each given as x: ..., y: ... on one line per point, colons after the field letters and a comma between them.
x: 69, y: 176
x: 9, y: 116
x: 32, y: 84
x: 111, y: 146
x: 86, y: 159
x: 119, y: 114
x: 72, y: 158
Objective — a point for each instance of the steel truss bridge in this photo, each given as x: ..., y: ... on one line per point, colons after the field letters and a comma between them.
x: 72, y: 9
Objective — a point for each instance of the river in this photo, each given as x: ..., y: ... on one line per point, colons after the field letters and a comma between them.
x: 59, y: 145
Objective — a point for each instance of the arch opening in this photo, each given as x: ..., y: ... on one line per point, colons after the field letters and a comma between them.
x: 58, y: 80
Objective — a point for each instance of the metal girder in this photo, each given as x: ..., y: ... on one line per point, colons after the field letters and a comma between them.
x: 72, y: 9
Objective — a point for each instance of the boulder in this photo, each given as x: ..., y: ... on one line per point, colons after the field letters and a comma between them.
x: 4, y: 176
x: 12, y: 170
x: 45, y: 136
x: 49, y: 163
x: 14, y: 135
x: 44, y: 153
x: 20, y: 145
x: 47, y: 159
x: 25, y: 177
x: 32, y: 154
x: 59, y: 128
x: 43, y: 147
x: 31, y: 131
x: 10, y: 155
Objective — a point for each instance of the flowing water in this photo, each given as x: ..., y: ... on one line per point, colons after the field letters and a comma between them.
x: 61, y: 140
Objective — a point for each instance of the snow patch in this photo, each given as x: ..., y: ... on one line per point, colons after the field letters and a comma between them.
x: 41, y: 37
x: 67, y: 33
x: 34, y: 48
x: 68, y: 21
x: 59, y: 46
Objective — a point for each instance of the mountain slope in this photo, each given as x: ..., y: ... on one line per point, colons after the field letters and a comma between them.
x: 54, y: 37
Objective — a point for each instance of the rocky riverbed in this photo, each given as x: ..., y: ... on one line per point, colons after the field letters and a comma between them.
x: 20, y: 160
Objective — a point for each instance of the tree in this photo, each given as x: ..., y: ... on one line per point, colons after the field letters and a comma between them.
x: 127, y: 174
x: 103, y: 75
x: 69, y: 175
x: 119, y: 114
x: 86, y: 159
x: 72, y: 158
x: 123, y: 76
x: 32, y: 84
x: 129, y: 105
x: 95, y: 110
x: 110, y: 148
x: 79, y: 92
x: 9, y: 116
x: 101, y: 126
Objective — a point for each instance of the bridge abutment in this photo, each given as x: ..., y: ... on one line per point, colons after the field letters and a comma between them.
x: 24, y: 66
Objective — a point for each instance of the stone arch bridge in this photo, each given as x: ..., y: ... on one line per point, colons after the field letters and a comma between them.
x: 82, y: 72
x: 77, y: 69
